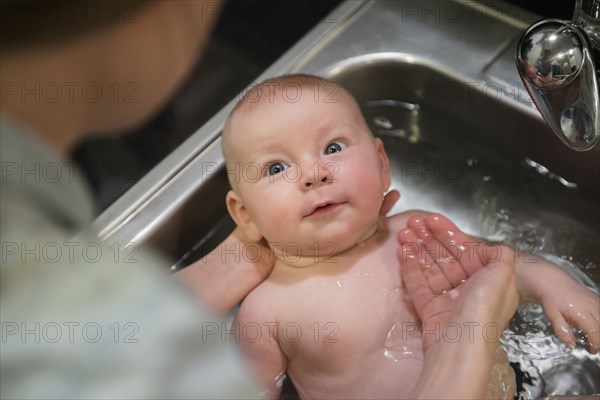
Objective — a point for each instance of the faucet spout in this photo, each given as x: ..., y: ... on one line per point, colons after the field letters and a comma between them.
x: 555, y: 60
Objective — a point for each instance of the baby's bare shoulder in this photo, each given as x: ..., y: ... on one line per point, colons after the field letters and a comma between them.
x: 398, y: 221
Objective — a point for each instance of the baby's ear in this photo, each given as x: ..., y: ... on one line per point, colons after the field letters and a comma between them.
x: 384, y: 163
x: 240, y: 215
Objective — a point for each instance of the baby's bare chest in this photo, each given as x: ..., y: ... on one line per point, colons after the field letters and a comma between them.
x: 351, y: 314
x: 350, y: 331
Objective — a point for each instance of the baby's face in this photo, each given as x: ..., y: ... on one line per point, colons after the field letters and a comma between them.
x: 308, y: 175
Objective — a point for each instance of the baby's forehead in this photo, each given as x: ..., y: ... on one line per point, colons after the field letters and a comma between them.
x: 259, y: 110
x: 280, y: 111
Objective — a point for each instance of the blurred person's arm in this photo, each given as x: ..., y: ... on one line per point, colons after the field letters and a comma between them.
x: 81, y: 319
x: 223, y: 277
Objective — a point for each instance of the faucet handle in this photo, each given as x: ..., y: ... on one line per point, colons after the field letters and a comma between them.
x: 557, y: 69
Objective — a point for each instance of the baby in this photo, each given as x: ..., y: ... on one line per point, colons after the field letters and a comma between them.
x: 332, y: 315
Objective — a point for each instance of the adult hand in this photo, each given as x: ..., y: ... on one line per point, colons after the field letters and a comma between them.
x: 451, y: 276
x: 455, y: 279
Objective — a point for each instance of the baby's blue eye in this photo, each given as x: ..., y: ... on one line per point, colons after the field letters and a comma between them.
x: 335, y: 147
x: 276, y: 168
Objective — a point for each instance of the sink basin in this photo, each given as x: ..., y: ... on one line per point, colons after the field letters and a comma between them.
x: 463, y: 139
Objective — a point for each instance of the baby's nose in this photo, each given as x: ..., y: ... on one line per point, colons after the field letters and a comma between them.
x: 315, y: 174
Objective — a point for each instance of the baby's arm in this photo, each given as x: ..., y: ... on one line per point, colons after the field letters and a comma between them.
x: 258, y: 335
x: 566, y: 302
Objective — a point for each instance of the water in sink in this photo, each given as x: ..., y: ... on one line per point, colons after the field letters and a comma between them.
x: 439, y: 165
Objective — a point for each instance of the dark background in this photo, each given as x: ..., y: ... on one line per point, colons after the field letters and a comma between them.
x: 249, y: 37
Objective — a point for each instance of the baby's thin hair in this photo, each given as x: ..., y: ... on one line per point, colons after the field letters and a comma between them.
x: 272, y: 88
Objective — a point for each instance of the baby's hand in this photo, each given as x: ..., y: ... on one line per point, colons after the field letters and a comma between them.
x: 568, y: 304
x: 389, y: 200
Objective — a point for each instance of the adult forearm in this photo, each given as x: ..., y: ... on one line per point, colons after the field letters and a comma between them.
x: 226, y: 275
x: 457, y: 370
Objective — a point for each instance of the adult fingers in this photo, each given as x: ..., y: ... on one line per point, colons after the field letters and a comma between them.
x: 446, y: 261
x: 415, y: 249
x: 465, y: 249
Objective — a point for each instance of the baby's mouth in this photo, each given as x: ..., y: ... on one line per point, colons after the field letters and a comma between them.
x: 324, y: 208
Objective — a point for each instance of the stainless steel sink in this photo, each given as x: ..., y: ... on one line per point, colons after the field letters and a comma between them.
x: 437, y: 82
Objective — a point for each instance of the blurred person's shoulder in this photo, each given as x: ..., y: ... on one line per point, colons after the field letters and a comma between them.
x: 85, y: 318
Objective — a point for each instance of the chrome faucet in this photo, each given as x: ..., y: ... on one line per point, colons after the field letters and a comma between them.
x: 558, y: 62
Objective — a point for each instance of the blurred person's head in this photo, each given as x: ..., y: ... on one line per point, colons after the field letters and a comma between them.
x: 76, y: 68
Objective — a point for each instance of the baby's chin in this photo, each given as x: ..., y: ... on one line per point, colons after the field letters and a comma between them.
x: 320, y: 248
x: 358, y: 236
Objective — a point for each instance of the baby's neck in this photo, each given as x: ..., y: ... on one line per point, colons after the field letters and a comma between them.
x: 295, y: 257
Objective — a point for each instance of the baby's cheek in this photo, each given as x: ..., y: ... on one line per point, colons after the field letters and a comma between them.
x: 275, y: 221
x: 369, y: 184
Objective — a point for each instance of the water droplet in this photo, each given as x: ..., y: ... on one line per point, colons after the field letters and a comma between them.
x: 396, y: 293
x: 396, y: 346
x: 389, y: 344
x: 446, y: 260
